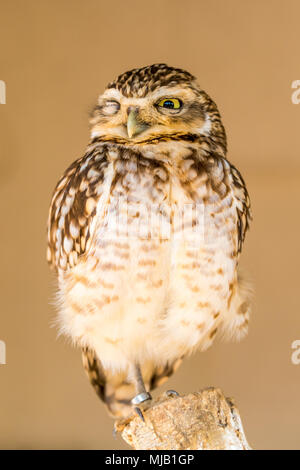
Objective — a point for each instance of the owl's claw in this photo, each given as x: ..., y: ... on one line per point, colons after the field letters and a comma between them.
x: 141, y: 400
x: 139, y: 413
x: 172, y: 393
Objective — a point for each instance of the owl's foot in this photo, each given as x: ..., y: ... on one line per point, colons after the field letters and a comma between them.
x: 172, y: 393
x: 142, y: 400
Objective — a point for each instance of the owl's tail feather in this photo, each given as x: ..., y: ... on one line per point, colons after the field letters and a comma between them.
x: 115, y: 390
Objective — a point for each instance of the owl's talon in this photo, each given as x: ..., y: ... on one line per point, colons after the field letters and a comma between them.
x: 139, y: 413
x: 172, y: 393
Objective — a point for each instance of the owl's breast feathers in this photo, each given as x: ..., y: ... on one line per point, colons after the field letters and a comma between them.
x: 116, y: 286
x: 74, y: 203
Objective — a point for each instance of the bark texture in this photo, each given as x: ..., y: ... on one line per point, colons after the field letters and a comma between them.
x: 204, y: 420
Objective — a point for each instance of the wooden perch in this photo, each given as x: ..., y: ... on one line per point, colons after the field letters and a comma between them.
x: 204, y: 420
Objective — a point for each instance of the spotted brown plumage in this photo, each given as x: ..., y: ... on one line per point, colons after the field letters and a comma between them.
x: 141, y: 81
x: 73, y: 208
x: 145, y: 232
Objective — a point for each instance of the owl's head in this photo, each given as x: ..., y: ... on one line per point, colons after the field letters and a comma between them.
x: 157, y: 103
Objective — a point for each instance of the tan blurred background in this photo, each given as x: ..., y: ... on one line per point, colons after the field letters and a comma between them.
x: 56, y: 56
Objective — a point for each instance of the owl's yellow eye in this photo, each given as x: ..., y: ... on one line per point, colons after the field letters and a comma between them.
x: 170, y: 103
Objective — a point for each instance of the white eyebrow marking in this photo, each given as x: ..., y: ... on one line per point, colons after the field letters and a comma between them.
x: 170, y: 91
x: 111, y: 93
x: 206, y: 128
x: 95, y: 133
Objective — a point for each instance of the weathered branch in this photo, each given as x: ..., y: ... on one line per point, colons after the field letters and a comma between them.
x: 204, y: 420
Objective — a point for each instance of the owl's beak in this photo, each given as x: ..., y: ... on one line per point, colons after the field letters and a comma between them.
x: 134, y: 125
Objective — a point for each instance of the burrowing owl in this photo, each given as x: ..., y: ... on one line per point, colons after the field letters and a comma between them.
x: 145, y: 232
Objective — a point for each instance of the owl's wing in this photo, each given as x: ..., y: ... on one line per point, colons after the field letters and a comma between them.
x: 243, y: 205
x: 114, y: 390
x: 94, y: 371
x: 161, y: 374
x: 73, y: 209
